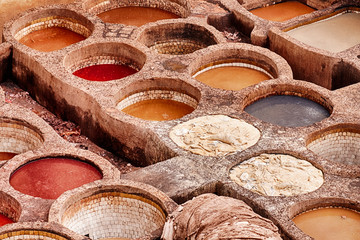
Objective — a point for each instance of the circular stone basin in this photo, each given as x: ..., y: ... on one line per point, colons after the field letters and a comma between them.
x: 49, y: 177
x: 105, y: 72
x: 104, y: 61
x: 215, y: 135
x: 288, y: 111
x: 330, y: 223
x: 136, y: 16
x: 17, y: 137
x: 52, y: 33
x: 158, y: 105
x: 114, y: 215
x: 277, y: 175
x: 231, y: 75
x: 340, y: 145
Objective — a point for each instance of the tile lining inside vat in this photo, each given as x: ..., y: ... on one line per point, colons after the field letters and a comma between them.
x: 114, y: 215
x: 31, y: 234
x: 177, y: 38
x: 338, y: 45
x: 340, y: 145
x: 178, y: 7
x: 18, y: 137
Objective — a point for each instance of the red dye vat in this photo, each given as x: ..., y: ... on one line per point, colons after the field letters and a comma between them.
x: 4, y: 220
x: 105, y: 72
x: 48, y: 178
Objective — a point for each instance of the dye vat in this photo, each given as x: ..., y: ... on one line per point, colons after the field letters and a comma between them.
x: 282, y: 11
x: 334, y: 34
x: 135, y: 16
x: 6, y: 155
x: 114, y: 215
x: 51, y: 39
x: 215, y: 135
x: 158, y: 105
x: 330, y: 223
x: 232, y: 76
x: 52, y: 33
x: 5, y: 220
x: 48, y: 178
x: 288, y: 111
x: 341, y: 145
x: 277, y: 175
x: 105, y: 72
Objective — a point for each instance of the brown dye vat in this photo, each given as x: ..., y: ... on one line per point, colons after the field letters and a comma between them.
x: 282, y: 11
x: 136, y: 16
x: 330, y: 223
x: 231, y: 77
x: 51, y: 39
x: 335, y: 34
x: 6, y: 155
x: 158, y: 109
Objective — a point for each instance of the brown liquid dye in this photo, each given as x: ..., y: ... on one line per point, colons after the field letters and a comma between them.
x: 282, y: 11
x: 135, y: 16
x: 158, y: 109
x: 51, y: 39
x: 6, y: 155
x: 335, y: 34
x: 231, y: 77
x: 330, y: 224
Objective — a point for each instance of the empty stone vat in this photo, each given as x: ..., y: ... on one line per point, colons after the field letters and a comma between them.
x: 288, y: 110
x: 127, y: 210
x: 282, y: 11
x: 177, y: 38
x: 49, y: 177
x: 339, y: 144
x: 137, y: 13
x: 105, y: 61
x: 334, y: 33
x: 277, y: 175
x: 51, y: 29
x: 159, y: 99
x: 17, y: 137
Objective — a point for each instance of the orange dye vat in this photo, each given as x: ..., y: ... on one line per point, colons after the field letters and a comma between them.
x: 158, y: 109
x: 231, y: 77
x: 282, y: 11
x: 330, y: 223
x: 48, y: 178
x: 105, y: 72
x: 135, y: 16
x: 51, y: 39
